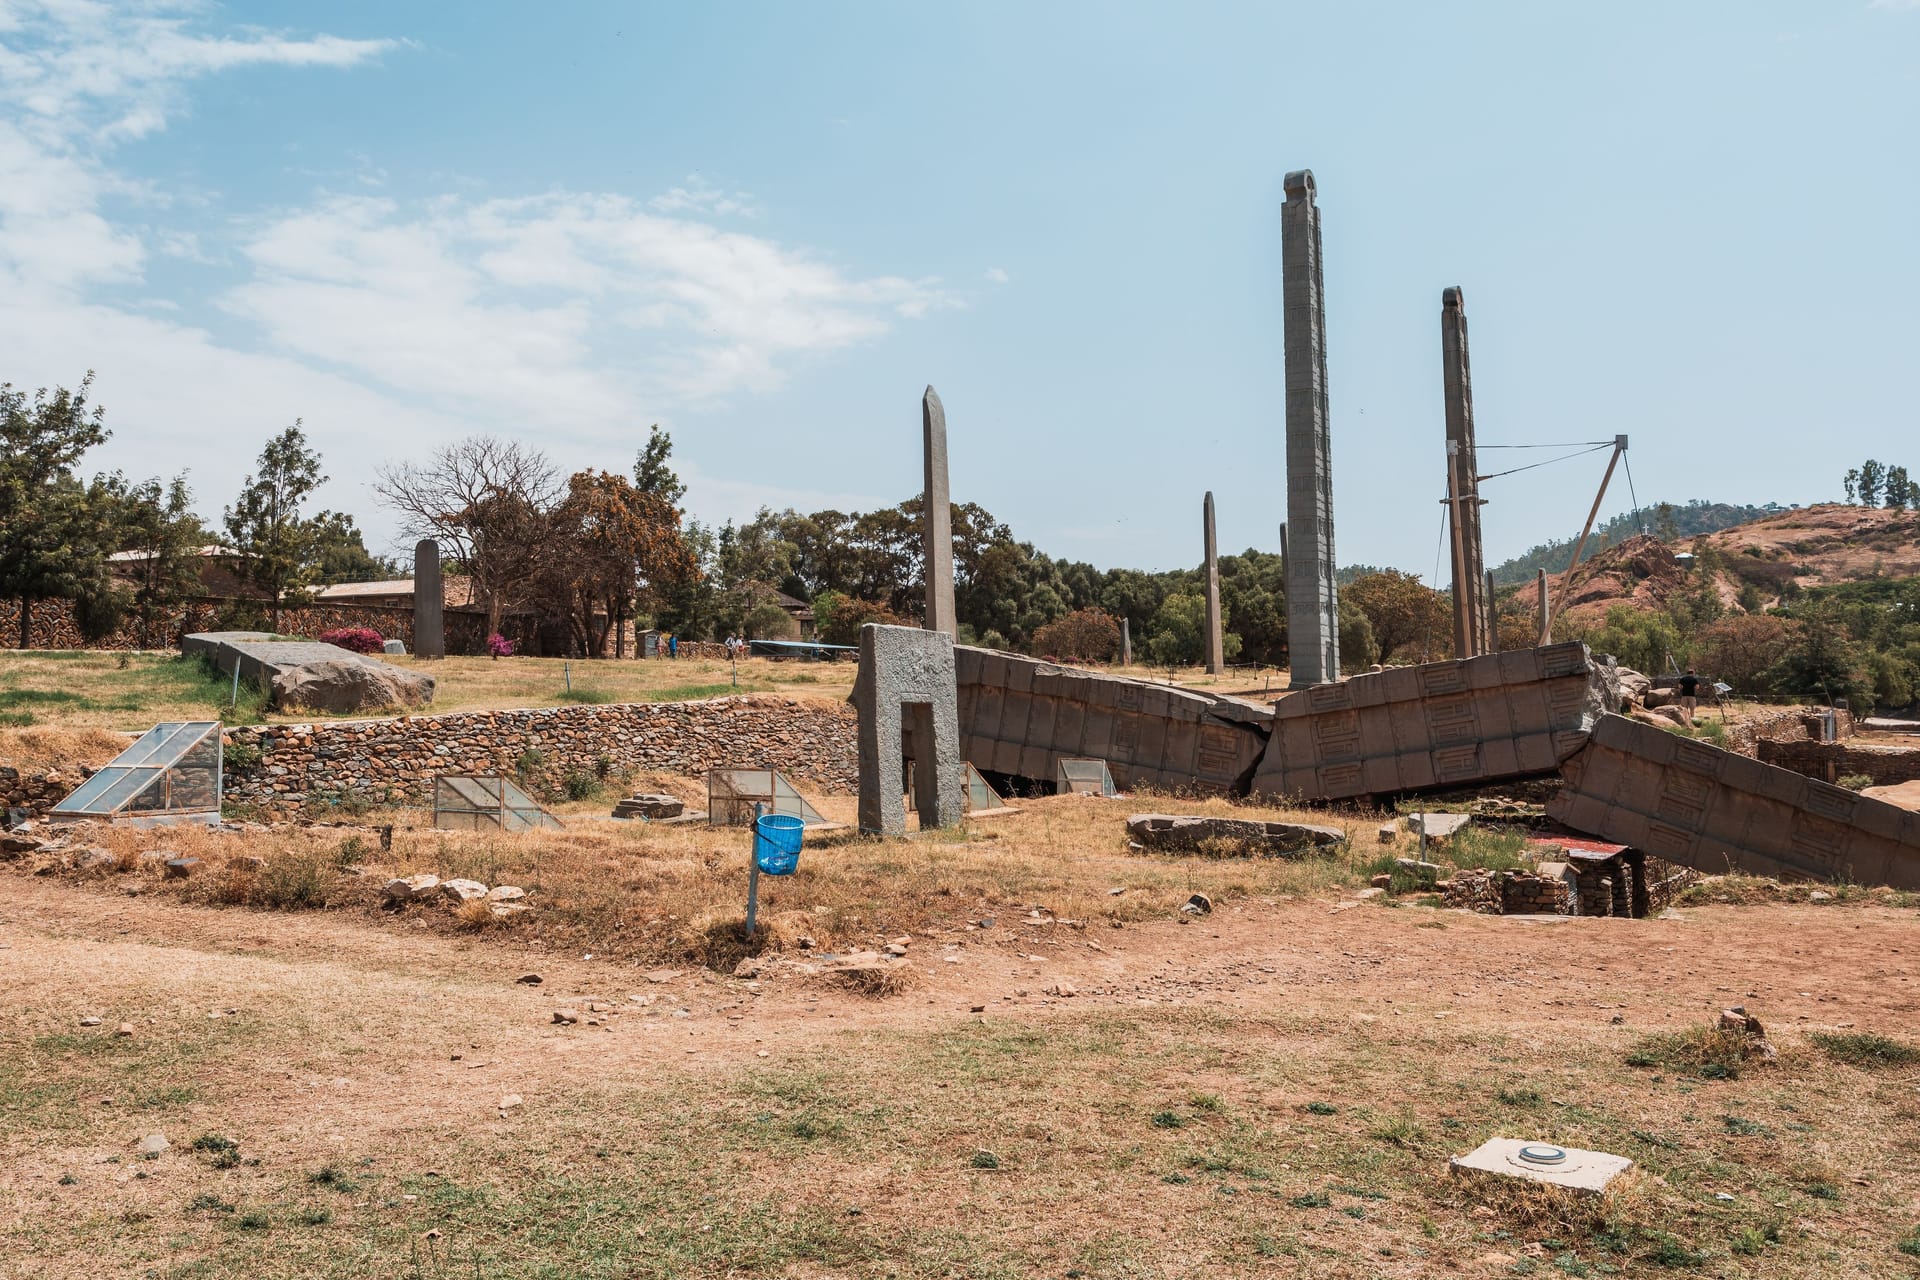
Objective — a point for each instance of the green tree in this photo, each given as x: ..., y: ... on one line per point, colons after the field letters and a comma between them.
x: 651, y: 472
x: 340, y: 554
x: 56, y: 532
x: 1403, y: 613
x: 1823, y: 660
x: 1645, y: 641
x: 1177, y: 635
x: 1871, y: 476
x: 163, y: 537
x: 1897, y: 489
x: 266, y: 526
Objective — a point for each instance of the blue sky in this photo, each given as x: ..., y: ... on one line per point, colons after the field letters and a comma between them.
x: 769, y: 226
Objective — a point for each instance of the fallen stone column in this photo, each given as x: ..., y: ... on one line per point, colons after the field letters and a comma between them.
x: 1019, y: 716
x: 1441, y: 724
x: 1190, y: 833
x: 1692, y: 803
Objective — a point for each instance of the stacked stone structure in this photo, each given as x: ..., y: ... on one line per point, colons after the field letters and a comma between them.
x: 1313, y: 607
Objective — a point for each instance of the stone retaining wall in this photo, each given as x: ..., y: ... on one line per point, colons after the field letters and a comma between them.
x: 1831, y: 761
x: 396, y: 760
x: 54, y: 626
x: 38, y: 792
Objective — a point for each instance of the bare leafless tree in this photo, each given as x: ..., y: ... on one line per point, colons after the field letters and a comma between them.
x: 487, y: 502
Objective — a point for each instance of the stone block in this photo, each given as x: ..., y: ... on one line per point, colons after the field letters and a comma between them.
x: 1569, y: 1168
x: 906, y: 682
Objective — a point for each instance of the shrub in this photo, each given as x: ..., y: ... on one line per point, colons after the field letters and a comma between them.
x: 1855, y: 781
x: 1865, y: 1049
x: 499, y: 646
x: 358, y: 639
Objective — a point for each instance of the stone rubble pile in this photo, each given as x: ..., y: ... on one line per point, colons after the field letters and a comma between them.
x: 502, y: 900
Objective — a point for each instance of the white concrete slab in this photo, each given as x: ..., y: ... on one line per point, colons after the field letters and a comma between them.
x: 1586, y: 1172
x: 1437, y: 826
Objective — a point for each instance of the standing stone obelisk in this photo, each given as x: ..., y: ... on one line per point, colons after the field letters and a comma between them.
x: 429, y: 623
x: 1216, y: 650
x: 1126, y: 642
x: 1313, y: 606
x: 1472, y: 605
x: 936, y: 522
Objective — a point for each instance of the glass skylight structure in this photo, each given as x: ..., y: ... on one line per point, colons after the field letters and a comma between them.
x: 171, y: 774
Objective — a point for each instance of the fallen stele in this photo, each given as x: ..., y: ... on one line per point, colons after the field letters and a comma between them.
x: 1570, y: 1168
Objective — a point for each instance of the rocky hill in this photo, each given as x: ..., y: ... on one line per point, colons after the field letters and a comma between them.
x: 1808, y: 547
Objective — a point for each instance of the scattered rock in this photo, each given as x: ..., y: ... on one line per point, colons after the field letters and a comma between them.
x: 124, y: 1029
x: 90, y: 1022
x: 649, y: 806
x: 1065, y: 990
x: 1387, y: 833
x: 530, y: 979
x: 181, y: 868
x: 246, y: 862
x: 407, y: 888
x: 566, y: 1017
x: 462, y: 891
x: 1371, y: 893
x: 1819, y: 895
x: 12, y: 846
x: 662, y: 975
x: 154, y: 1144
x: 1383, y: 882
x: 896, y: 949
x: 506, y: 893
x: 509, y: 1102
x: 1739, y: 1021
x: 93, y: 860
x: 1198, y: 905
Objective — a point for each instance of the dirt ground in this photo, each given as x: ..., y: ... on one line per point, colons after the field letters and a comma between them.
x: 1271, y: 1089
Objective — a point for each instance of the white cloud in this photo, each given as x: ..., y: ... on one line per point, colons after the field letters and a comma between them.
x: 700, y: 196
x: 568, y: 304
x: 998, y: 275
x: 388, y: 325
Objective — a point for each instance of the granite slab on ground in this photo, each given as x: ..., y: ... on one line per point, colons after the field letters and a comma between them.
x: 311, y: 675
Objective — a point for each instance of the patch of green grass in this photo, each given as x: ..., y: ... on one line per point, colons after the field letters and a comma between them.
x: 694, y: 692
x: 1311, y: 1200
x: 1865, y: 1049
x: 208, y: 1202
x: 1206, y: 1102
x: 1168, y: 1120
x: 253, y: 1220
x: 1708, y: 1050
x: 584, y: 696
x: 222, y: 1152
x: 1519, y: 1097
x: 1752, y: 1240
x: 1476, y: 847
x: 1322, y: 1109
x: 332, y: 1176
x: 985, y: 1160
x: 1910, y: 1243
x: 1823, y: 1190
x: 1741, y: 1127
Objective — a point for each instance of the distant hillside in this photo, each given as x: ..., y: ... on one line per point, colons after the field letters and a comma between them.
x: 1667, y: 521
x: 1749, y: 566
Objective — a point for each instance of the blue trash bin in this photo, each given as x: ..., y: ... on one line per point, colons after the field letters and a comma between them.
x: 776, y: 843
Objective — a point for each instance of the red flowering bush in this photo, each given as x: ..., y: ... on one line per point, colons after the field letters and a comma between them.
x: 499, y: 646
x: 358, y: 639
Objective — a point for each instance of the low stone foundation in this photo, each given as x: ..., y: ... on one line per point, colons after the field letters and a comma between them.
x: 36, y: 793
x: 1832, y: 761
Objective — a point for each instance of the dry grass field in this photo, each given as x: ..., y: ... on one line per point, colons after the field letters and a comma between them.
x: 84, y: 689
x: 94, y: 690
x: 1076, y: 1081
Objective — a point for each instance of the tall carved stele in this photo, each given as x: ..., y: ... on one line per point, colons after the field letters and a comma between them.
x: 1313, y: 605
x: 936, y: 522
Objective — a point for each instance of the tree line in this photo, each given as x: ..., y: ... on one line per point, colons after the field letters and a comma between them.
x: 1877, y: 484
